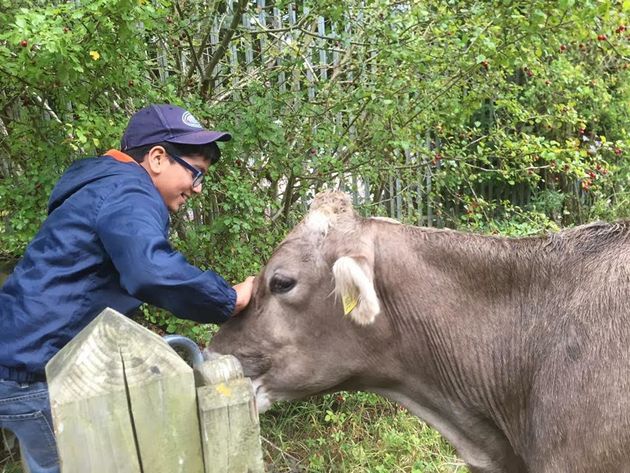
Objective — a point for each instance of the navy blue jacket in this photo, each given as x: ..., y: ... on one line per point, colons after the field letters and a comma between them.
x: 103, y: 244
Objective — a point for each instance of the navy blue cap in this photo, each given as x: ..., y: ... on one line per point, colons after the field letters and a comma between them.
x: 170, y: 123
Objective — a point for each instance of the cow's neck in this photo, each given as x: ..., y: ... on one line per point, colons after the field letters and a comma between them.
x: 456, y: 307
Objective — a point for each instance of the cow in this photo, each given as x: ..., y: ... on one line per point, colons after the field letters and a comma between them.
x: 517, y: 350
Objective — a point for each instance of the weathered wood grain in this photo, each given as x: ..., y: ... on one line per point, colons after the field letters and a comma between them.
x: 123, y: 401
x: 229, y: 421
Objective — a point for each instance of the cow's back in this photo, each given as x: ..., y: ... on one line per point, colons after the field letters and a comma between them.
x: 579, y: 406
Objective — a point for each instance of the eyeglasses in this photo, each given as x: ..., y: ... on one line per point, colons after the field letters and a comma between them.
x: 197, y: 174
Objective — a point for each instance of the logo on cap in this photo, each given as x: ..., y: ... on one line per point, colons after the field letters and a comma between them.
x: 190, y: 121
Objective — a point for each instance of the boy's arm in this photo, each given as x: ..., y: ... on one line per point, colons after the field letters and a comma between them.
x: 133, y: 229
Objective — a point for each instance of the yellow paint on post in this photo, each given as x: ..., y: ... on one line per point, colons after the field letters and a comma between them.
x: 223, y: 389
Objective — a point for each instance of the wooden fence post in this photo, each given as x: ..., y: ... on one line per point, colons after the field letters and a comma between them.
x: 123, y: 401
x: 229, y: 421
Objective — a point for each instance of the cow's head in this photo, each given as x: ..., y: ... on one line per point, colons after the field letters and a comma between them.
x: 313, y: 323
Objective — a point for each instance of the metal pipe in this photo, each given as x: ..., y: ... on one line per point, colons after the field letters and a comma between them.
x: 186, y: 345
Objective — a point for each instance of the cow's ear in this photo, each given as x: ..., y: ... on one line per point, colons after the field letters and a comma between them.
x: 354, y: 285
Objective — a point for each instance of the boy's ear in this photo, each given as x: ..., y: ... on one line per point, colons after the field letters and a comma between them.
x: 154, y: 160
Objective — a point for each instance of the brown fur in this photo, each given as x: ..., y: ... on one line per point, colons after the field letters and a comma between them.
x: 517, y: 350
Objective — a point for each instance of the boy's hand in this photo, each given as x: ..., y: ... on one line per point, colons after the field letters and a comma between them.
x: 243, y: 294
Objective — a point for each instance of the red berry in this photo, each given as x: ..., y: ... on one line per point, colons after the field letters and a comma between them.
x: 601, y: 37
x: 563, y: 48
x: 618, y: 151
x: 484, y: 64
x: 24, y: 43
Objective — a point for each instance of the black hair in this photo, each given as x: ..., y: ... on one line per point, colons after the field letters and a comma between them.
x: 209, y: 151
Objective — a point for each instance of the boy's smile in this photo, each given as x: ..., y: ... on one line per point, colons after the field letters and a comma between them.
x: 173, y: 179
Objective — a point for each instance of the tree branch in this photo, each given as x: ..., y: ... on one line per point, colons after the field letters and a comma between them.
x: 206, y: 79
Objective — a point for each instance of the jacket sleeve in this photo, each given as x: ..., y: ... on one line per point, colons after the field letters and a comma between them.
x: 133, y: 226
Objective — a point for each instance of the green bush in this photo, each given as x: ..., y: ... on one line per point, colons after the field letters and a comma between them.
x: 497, y: 117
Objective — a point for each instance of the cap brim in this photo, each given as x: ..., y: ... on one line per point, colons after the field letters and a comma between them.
x: 201, y: 137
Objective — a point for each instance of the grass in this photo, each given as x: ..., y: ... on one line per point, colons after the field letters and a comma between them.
x: 9, y: 454
x: 359, y: 432
x: 350, y: 433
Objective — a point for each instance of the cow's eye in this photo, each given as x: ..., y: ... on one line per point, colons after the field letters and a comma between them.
x: 280, y: 284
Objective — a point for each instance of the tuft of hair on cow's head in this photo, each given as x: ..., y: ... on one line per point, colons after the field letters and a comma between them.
x: 354, y: 254
x: 329, y: 209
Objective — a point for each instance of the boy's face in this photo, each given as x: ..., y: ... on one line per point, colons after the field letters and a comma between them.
x: 174, y: 181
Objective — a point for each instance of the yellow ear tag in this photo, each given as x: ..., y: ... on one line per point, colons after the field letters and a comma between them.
x: 349, y: 303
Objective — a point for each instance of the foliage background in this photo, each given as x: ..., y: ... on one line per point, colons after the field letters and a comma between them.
x: 497, y: 116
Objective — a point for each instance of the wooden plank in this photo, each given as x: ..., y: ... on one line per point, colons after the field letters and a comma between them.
x: 398, y: 199
x: 262, y: 19
x: 348, y: 34
x: 247, y: 42
x: 323, y: 58
x: 162, y: 59
x: 277, y: 24
x: 214, y: 44
x: 410, y: 211
x: 236, y: 94
x: 336, y: 53
x: 308, y: 62
x: 295, y: 84
x: 123, y: 401
x: 428, y: 179
x: 419, y: 189
x: 392, y: 206
x: 230, y: 430
x: 429, y: 184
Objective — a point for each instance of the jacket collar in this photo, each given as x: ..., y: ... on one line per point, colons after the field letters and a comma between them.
x: 120, y: 156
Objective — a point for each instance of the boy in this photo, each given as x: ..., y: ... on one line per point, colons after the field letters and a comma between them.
x: 104, y: 243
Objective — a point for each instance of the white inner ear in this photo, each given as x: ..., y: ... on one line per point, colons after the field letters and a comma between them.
x: 354, y: 285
